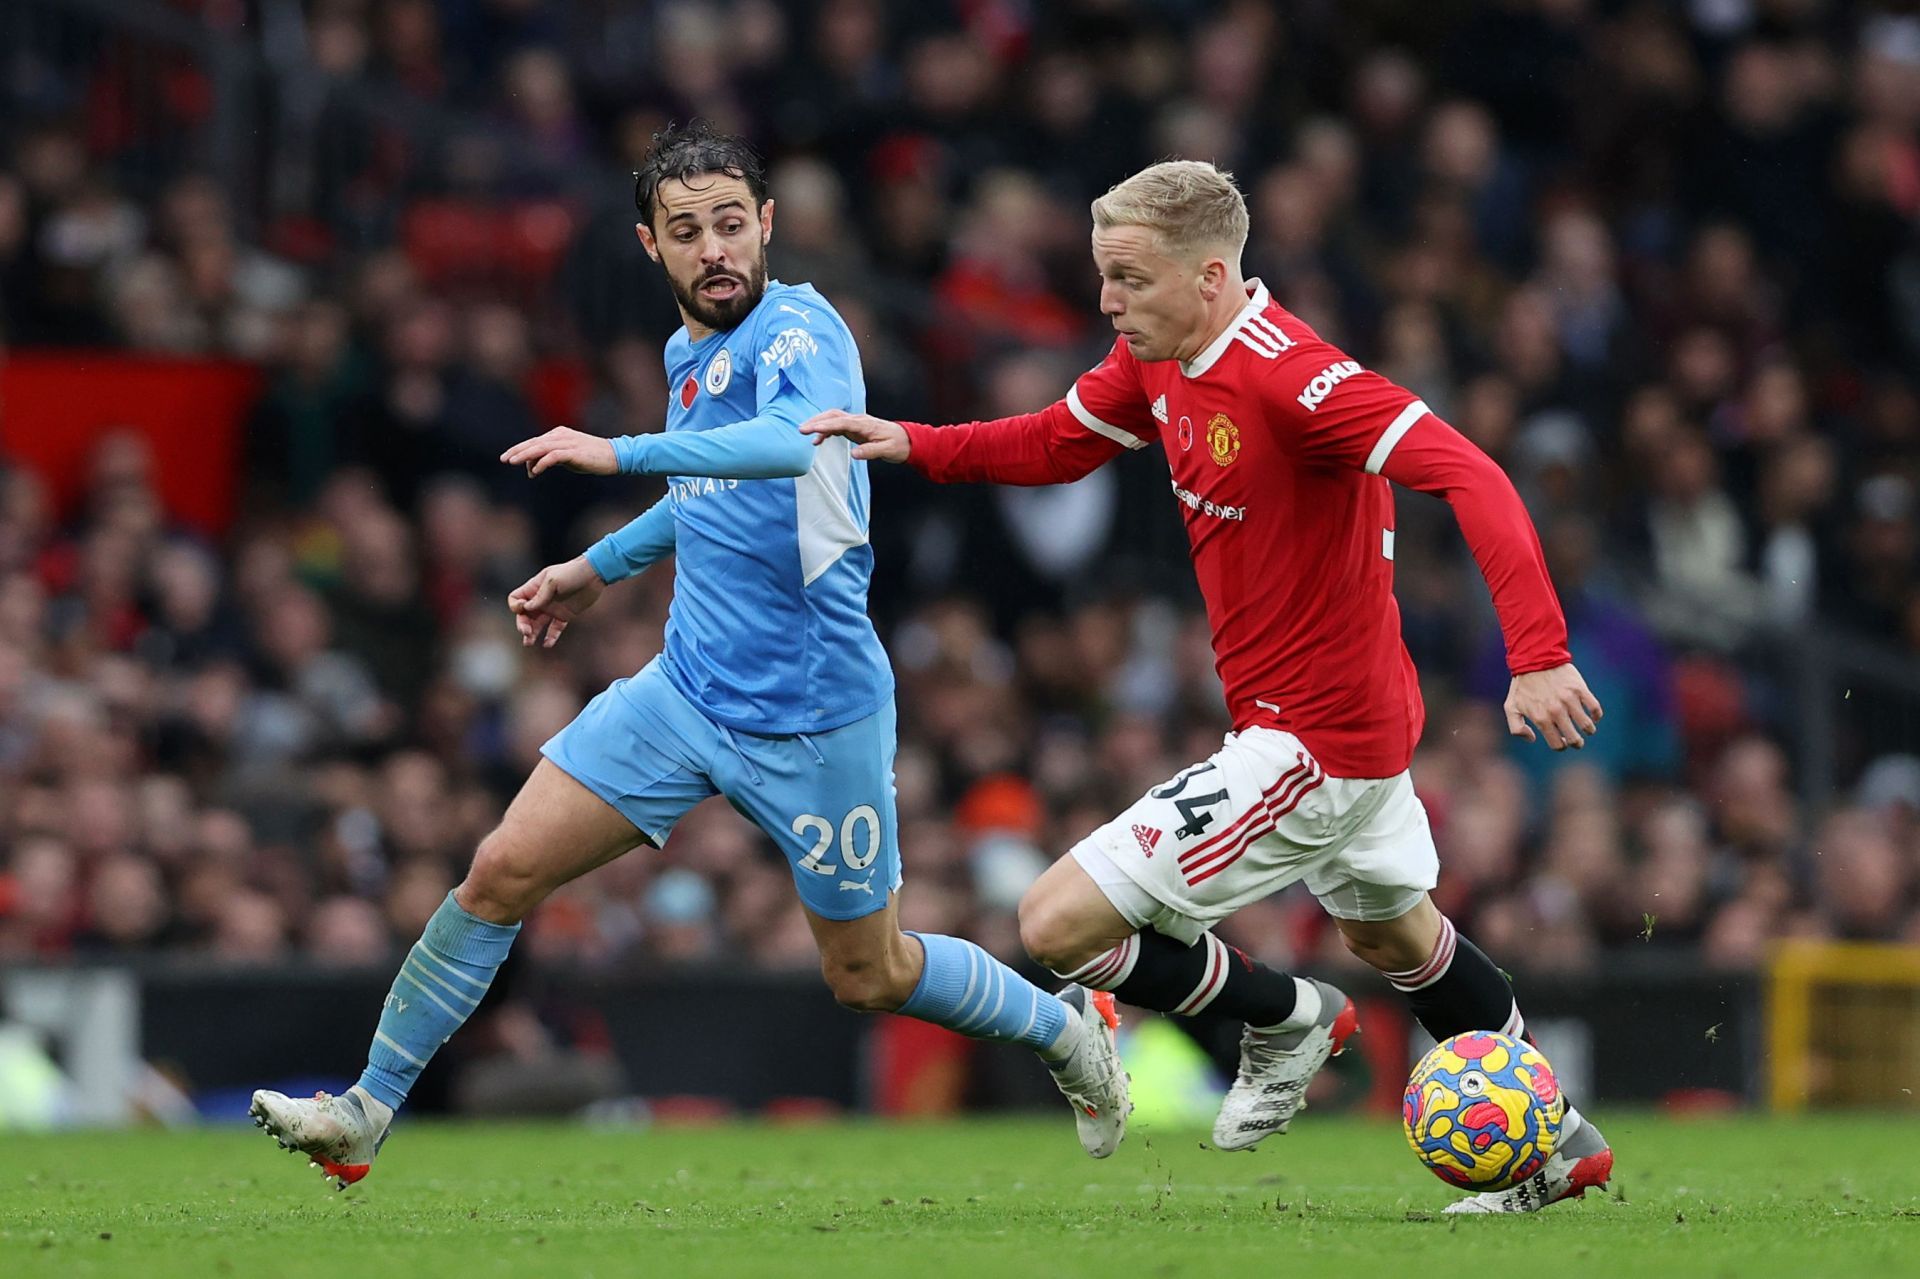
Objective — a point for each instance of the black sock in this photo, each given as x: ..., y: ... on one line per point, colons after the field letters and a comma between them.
x: 1154, y: 971
x: 1459, y: 989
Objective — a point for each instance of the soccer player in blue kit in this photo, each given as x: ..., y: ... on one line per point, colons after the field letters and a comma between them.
x: 773, y: 689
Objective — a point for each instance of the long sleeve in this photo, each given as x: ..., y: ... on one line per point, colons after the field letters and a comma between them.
x: 628, y: 551
x: 1048, y: 447
x: 807, y: 366
x: 1336, y: 413
x: 766, y: 446
x: 1104, y: 414
x: 1434, y: 458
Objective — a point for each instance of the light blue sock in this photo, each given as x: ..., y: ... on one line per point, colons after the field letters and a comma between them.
x: 436, y: 990
x: 965, y: 989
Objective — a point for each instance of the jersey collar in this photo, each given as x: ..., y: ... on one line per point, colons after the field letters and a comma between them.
x: 1256, y: 303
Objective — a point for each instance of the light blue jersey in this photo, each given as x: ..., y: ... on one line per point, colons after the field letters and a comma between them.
x: 773, y: 689
x: 768, y: 630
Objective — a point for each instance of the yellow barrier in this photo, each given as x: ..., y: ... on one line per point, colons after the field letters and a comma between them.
x: 1843, y: 1025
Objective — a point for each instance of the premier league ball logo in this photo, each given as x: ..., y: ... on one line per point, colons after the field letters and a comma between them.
x: 1483, y: 1110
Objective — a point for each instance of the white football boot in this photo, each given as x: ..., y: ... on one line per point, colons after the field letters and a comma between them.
x: 1581, y: 1161
x: 1092, y: 1078
x: 1275, y: 1069
x: 338, y: 1135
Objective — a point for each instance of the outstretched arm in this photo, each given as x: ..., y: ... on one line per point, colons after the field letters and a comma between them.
x: 1336, y: 413
x: 1048, y: 447
x: 1103, y: 414
x: 801, y: 370
x: 765, y: 446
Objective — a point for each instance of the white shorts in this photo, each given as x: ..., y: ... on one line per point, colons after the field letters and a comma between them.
x: 1256, y: 816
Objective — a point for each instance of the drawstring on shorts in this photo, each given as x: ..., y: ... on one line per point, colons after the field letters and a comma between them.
x: 753, y: 774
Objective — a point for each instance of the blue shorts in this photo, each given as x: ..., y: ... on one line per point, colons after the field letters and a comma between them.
x: 827, y: 799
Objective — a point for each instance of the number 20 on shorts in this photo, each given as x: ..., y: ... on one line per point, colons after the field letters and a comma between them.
x: 859, y: 839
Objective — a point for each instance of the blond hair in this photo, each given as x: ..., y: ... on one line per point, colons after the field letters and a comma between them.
x: 1193, y: 207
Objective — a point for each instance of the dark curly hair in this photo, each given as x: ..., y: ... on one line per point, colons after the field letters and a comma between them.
x: 688, y: 152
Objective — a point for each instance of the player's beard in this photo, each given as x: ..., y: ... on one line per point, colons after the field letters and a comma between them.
x: 722, y: 313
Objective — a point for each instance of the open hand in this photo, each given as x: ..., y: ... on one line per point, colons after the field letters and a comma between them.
x: 1559, y: 701
x: 875, y: 438
x: 544, y: 604
x: 564, y: 446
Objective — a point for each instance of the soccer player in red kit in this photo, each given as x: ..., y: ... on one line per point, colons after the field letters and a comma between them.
x: 1281, y: 449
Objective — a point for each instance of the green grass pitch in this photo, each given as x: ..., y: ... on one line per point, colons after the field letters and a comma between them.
x: 1737, y: 1196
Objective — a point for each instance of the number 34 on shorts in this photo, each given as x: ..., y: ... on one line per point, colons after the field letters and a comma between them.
x: 1209, y: 817
x: 1258, y: 815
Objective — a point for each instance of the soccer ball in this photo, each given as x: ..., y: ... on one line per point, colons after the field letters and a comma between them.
x: 1483, y: 1110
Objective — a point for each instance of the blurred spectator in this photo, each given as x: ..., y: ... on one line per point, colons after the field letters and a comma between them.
x: 301, y: 429
x: 1793, y: 556
x: 1660, y: 268
x: 346, y: 931
x: 1702, y: 592
x: 1862, y: 879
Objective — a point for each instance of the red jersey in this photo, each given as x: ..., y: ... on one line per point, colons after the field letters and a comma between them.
x: 1280, y: 449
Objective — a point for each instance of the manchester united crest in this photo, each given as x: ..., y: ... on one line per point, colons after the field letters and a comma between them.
x: 1223, y: 439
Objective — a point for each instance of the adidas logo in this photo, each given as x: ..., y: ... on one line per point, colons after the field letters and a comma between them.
x: 1147, y: 837
x: 1160, y: 410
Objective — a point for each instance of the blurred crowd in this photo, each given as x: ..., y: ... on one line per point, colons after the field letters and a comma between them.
x: 1659, y: 260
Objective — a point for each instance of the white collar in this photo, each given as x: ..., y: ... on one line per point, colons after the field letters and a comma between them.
x: 1256, y: 303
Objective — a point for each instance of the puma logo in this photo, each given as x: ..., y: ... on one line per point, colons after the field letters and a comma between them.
x: 857, y: 885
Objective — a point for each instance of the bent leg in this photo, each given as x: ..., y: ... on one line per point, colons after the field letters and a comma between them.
x: 1072, y: 923
x: 1293, y: 1025
x: 1396, y: 946
x: 1066, y: 921
x: 1451, y: 984
x: 555, y: 830
x: 827, y: 800
x: 1130, y: 908
x: 871, y: 966
x: 1377, y: 891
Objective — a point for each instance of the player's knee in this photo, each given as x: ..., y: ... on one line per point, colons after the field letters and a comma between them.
x: 1049, y: 934
x: 1363, y: 948
x: 503, y: 884
x: 1384, y: 951
x: 862, y: 984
